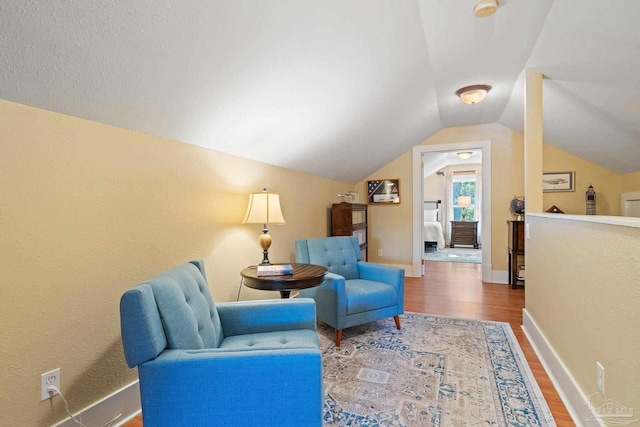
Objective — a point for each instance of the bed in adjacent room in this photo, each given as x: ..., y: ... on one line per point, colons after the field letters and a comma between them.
x: 432, y: 230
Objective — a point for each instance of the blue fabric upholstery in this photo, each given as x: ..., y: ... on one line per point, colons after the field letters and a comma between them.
x: 199, y: 363
x: 354, y: 291
x: 340, y: 256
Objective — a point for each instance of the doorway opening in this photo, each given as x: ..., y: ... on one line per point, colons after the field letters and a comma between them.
x: 453, y: 187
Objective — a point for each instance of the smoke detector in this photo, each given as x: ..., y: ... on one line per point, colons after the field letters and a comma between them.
x: 485, y: 8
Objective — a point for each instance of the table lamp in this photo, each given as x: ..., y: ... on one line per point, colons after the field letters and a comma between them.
x: 264, y: 208
x: 464, y: 202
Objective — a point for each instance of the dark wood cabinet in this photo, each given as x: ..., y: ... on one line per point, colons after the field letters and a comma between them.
x: 350, y: 219
x: 464, y: 233
x: 516, y: 253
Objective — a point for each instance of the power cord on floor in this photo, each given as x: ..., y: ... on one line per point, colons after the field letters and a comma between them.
x: 54, y: 389
x: 239, y: 288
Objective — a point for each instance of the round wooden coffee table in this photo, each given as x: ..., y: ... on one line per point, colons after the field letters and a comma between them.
x: 304, y: 276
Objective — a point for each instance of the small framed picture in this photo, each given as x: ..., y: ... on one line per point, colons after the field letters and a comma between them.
x: 386, y: 191
x: 557, y: 181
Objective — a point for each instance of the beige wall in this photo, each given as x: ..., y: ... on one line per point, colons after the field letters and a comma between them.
x: 631, y: 182
x: 582, y: 291
x: 390, y: 225
x: 89, y: 210
x: 433, y: 187
x: 607, y: 184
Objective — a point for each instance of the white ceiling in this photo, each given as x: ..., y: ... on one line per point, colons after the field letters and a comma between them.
x: 436, y: 160
x: 336, y: 88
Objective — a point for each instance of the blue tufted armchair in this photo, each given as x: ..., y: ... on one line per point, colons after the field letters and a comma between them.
x: 354, y: 292
x: 230, y: 364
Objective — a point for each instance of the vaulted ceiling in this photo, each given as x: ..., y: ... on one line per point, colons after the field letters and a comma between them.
x: 336, y: 88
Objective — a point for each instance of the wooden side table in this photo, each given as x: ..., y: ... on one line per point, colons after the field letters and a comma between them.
x: 304, y: 276
x: 464, y: 233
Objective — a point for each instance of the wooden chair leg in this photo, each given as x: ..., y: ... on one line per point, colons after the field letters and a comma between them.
x: 338, y: 337
x: 397, y: 319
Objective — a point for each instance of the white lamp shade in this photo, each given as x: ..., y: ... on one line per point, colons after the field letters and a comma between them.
x: 464, y: 201
x: 264, y: 208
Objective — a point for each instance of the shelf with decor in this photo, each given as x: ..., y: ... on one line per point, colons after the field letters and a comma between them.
x: 350, y: 219
x: 516, y: 253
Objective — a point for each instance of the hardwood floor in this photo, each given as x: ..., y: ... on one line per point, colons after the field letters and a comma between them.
x: 456, y: 290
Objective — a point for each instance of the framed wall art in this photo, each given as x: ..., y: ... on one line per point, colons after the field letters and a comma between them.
x: 386, y: 191
x: 557, y: 181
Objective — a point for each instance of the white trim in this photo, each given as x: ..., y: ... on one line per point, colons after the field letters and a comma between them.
x: 624, y: 221
x: 499, y: 276
x: 563, y: 381
x: 416, y: 251
x: 628, y: 197
x: 120, y: 406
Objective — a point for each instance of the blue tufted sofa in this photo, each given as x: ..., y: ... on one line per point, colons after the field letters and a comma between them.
x: 354, y: 292
x: 252, y: 363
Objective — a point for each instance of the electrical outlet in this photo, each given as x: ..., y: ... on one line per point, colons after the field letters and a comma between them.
x: 47, y: 379
x: 600, y: 377
x: 380, y: 253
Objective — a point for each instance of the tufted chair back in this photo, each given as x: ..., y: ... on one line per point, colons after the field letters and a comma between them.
x: 339, y: 254
x: 174, y: 310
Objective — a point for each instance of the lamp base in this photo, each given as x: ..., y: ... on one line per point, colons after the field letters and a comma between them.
x: 265, y: 243
x: 265, y: 258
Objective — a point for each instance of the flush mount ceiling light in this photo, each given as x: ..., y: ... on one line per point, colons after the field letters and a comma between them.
x: 485, y: 8
x: 473, y: 94
x: 464, y: 155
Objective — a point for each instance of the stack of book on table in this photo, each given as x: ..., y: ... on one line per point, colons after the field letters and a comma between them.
x: 275, y: 270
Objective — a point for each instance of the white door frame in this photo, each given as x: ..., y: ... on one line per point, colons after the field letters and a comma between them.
x: 417, y: 250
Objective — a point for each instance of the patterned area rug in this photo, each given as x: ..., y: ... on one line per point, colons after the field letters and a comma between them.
x: 436, y: 371
x: 470, y: 255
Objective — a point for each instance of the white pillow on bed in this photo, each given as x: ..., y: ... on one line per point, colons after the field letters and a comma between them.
x: 430, y: 215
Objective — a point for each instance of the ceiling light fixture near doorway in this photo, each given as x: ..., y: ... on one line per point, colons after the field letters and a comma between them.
x: 485, y: 8
x: 473, y: 94
x: 464, y: 155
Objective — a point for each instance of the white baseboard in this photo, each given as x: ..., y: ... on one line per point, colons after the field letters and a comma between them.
x: 499, y: 276
x: 571, y: 395
x: 113, y: 410
x: 416, y: 269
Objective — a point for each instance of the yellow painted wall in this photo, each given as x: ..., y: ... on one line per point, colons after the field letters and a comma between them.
x: 582, y: 291
x: 390, y: 225
x: 89, y: 210
x: 607, y: 184
x: 433, y: 187
x: 631, y: 182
